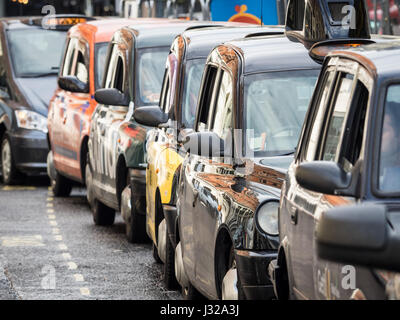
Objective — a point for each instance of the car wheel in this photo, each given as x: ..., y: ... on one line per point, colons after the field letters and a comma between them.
x: 169, y: 266
x: 9, y: 171
x: 102, y: 215
x: 136, y: 227
x: 61, y: 186
x: 231, y: 286
x: 155, y: 254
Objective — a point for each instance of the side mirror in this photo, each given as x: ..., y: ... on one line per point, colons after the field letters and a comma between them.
x: 204, y: 144
x: 111, y: 97
x: 325, y: 177
x: 360, y: 235
x: 150, y: 116
x: 73, y: 84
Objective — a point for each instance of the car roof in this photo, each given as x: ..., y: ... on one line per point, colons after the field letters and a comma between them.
x: 167, y: 30
x: 102, y: 30
x: 381, y: 59
x: 272, y: 53
x: 201, y: 41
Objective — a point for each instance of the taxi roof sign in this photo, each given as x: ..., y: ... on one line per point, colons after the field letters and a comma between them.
x: 312, y: 21
x: 60, y: 22
x: 320, y: 50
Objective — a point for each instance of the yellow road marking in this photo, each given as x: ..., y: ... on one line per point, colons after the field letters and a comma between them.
x: 56, y: 231
x: 66, y: 256
x: 58, y: 238
x: 85, y: 291
x: 62, y: 247
x: 53, y: 223
x: 72, y: 266
x: 52, y: 216
x: 50, y: 210
x: 18, y: 188
x: 22, y: 241
x: 49, y: 199
x: 78, y: 277
x: 50, y: 205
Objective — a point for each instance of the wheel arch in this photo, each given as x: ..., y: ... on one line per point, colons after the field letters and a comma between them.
x: 121, y: 177
x: 83, y: 156
x: 223, y: 246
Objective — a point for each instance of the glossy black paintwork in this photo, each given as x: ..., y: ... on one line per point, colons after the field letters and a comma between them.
x: 219, y: 198
x: 309, y: 276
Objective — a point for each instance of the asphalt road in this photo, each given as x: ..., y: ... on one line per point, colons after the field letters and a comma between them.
x: 50, y: 249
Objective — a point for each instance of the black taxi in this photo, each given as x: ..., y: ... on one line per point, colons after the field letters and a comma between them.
x: 364, y: 231
x: 31, y: 50
x: 184, y: 69
x: 253, y: 101
x: 342, y: 177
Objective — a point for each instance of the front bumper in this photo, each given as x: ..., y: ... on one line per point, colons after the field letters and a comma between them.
x: 252, y: 271
x: 29, y: 150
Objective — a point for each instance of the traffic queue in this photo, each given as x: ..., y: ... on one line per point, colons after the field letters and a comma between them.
x: 259, y: 161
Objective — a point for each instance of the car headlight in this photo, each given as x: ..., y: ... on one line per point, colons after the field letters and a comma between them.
x: 267, y: 218
x: 31, y: 120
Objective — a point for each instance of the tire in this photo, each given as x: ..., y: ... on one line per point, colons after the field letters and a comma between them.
x: 170, y: 281
x: 232, y: 264
x: 61, y: 186
x: 136, y: 224
x: 136, y: 227
x: 8, y: 169
x: 102, y: 215
x: 155, y: 254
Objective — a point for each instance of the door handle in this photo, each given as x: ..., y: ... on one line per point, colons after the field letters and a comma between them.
x: 294, y: 213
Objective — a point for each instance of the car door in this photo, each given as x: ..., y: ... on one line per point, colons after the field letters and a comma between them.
x: 325, y: 143
x: 192, y: 166
x: 212, y: 185
x: 346, y: 147
x: 58, y: 113
x: 98, y: 156
x: 115, y: 115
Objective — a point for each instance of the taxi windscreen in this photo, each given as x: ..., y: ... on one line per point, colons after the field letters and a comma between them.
x: 275, y: 107
x: 36, y: 52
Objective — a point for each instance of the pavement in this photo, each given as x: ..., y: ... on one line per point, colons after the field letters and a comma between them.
x: 51, y: 250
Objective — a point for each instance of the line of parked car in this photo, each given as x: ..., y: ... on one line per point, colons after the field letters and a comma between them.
x: 261, y: 162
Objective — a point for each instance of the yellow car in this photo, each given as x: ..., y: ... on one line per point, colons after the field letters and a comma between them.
x: 174, y: 120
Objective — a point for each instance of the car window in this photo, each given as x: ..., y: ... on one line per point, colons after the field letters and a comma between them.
x: 193, y: 75
x: 118, y: 82
x: 223, y: 116
x: 100, y: 62
x: 321, y: 106
x: 337, y: 119
x: 36, y: 52
x: 109, y: 76
x: 81, y: 71
x: 273, y: 119
x: 207, y: 97
x: 389, y: 160
x: 69, y: 57
x: 150, y: 76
